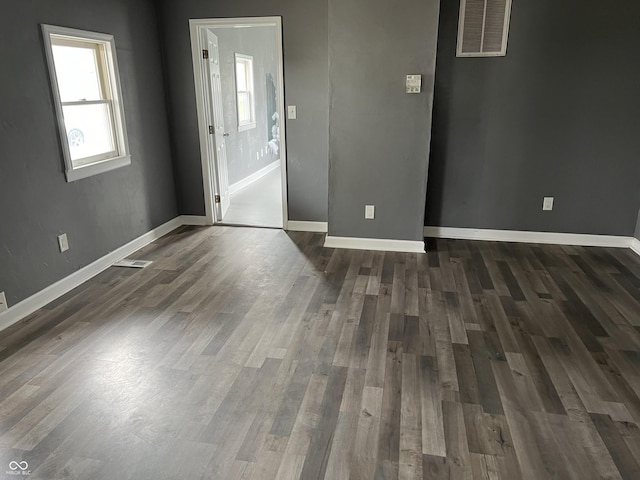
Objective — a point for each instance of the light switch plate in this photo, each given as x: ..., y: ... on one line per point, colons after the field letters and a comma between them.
x: 292, y: 112
x: 547, y: 203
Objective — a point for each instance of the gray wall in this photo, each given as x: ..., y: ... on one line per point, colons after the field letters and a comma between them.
x: 260, y: 43
x: 100, y: 213
x: 637, y: 234
x: 306, y: 84
x: 379, y: 135
x: 556, y: 117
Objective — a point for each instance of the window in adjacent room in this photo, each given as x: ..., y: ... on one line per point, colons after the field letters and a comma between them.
x: 88, y: 100
x: 245, y: 92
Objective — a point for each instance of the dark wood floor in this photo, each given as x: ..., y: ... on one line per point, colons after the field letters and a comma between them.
x: 257, y: 354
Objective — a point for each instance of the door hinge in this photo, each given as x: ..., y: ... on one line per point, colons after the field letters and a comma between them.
x: 205, y: 54
x: 217, y: 198
x: 211, y: 130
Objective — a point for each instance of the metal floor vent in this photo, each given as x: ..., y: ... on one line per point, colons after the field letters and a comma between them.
x: 133, y: 263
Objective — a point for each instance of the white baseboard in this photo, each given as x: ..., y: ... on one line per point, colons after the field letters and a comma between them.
x: 528, y: 237
x: 254, y: 177
x: 296, y: 226
x: 382, y: 244
x: 29, y: 305
x: 193, y: 220
x: 38, y: 300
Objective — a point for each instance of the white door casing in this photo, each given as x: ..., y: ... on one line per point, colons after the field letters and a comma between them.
x: 204, y: 106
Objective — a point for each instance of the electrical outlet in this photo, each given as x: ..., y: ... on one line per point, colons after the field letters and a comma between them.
x: 369, y: 212
x: 3, y: 302
x: 547, y: 203
x: 63, y: 243
x: 292, y: 112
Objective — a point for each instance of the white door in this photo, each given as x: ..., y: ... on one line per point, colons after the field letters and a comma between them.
x: 216, y: 127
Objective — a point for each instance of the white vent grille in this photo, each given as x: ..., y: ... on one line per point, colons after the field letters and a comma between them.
x: 483, y: 28
x: 133, y: 263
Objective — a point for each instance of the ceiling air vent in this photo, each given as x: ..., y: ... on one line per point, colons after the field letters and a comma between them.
x: 483, y: 28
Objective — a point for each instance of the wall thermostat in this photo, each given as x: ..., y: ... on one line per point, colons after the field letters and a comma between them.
x: 414, y: 83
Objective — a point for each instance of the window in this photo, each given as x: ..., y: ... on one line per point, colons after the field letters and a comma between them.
x: 245, y: 92
x: 86, y: 91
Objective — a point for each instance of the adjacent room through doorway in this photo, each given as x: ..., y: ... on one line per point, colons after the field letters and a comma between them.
x: 260, y: 203
x: 241, y: 118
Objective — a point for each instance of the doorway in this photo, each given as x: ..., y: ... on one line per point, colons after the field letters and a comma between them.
x: 238, y: 72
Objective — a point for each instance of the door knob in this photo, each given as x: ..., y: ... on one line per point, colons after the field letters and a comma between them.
x: 225, y: 134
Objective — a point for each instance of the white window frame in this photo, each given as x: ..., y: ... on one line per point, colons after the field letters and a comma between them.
x: 89, y: 166
x: 248, y: 60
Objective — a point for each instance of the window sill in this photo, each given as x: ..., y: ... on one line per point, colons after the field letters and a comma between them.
x: 246, y: 126
x: 97, y: 168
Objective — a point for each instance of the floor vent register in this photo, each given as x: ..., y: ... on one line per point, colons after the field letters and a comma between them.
x: 133, y: 263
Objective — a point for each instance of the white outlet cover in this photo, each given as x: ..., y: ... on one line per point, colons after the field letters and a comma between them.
x: 63, y: 242
x: 292, y: 112
x: 3, y: 302
x: 369, y: 212
x: 547, y: 203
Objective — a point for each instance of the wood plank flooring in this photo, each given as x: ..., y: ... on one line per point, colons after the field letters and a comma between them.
x: 257, y: 354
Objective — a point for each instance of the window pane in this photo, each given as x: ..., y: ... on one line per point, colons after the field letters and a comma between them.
x: 244, y: 107
x: 89, y: 130
x: 77, y: 73
x: 241, y: 76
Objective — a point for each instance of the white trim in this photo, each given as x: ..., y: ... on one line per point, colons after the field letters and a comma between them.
x: 298, y: 226
x: 248, y: 61
x: 254, y: 177
x: 196, y: 27
x: 91, y: 169
x: 193, y: 220
x: 528, y: 237
x: 505, y: 33
x: 33, y: 303
x: 382, y: 244
x: 203, y: 128
x: 75, y: 170
x: 43, y: 297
